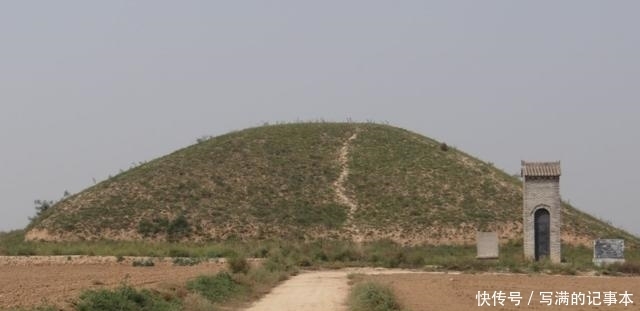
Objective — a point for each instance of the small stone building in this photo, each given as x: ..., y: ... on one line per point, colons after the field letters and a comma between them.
x: 542, y: 210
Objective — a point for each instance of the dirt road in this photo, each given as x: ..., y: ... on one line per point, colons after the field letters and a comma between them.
x: 315, y: 291
x: 309, y: 291
x: 421, y: 291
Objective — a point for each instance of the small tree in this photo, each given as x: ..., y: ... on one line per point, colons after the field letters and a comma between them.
x: 41, y: 206
x: 178, y: 228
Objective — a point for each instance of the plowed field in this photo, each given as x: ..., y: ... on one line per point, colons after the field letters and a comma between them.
x: 455, y: 292
x: 28, y: 281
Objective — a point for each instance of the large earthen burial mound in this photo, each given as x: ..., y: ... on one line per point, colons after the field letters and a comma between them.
x: 307, y: 181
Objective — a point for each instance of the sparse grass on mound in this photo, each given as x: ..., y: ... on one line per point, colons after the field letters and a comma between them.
x: 278, y: 182
x: 402, y: 179
x: 259, y: 182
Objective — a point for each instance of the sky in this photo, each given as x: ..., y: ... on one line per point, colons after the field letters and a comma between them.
x: 89, y: 88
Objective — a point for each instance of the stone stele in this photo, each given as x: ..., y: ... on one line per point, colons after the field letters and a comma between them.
x: 608, y: 251
x: 487, y: 243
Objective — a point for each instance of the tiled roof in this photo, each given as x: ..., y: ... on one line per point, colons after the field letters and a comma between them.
x: 541, y: 169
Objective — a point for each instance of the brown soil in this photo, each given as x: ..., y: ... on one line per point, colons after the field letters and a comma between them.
x: 443, y: 292
x: 58, y: 280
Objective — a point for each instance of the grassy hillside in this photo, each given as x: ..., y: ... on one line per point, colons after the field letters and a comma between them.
x: 305, y: 181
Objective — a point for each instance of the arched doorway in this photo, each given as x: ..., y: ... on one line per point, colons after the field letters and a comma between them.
x: 542, y: 233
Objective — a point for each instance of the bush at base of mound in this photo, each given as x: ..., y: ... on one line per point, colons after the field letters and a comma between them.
x: 125, y: 298
x: 372, y: 297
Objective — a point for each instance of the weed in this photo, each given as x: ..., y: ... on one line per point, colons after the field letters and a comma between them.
x: 150, y: 228
x: 371, y: 296
x: 238, y: 264
x: 628, y: 268
x: 178, y: 228
x: 195, y: 302
x: 179, y: 252
x: 124, y: 298
x: 143, y: 263
x: 217, y: 288
x: 186, y: 261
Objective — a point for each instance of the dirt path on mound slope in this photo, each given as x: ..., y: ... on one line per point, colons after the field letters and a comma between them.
x: 315, y: 291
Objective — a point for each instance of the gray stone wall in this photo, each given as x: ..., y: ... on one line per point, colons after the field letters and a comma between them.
x: 542, y: 192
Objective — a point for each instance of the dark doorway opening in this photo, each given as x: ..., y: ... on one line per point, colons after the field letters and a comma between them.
x: 542, y: 233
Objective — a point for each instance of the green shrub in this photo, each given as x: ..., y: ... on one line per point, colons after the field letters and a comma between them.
x: 195, y: 302
x: 372, y: 297
x: 143, y: 263
x: 238, y: 264
x: 153, y: 227
x: 632, y: 268
x: 177, y: 252
x: 124, y: 298
x: 186, y: 261
x: 178, y: 228
x: 175, y: 230
x: 218, y: 288
x: 279, y: 262
x: 265, y: 277
x: 25, y: 251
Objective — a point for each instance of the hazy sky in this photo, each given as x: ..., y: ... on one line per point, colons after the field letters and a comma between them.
x: 89, y: 87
